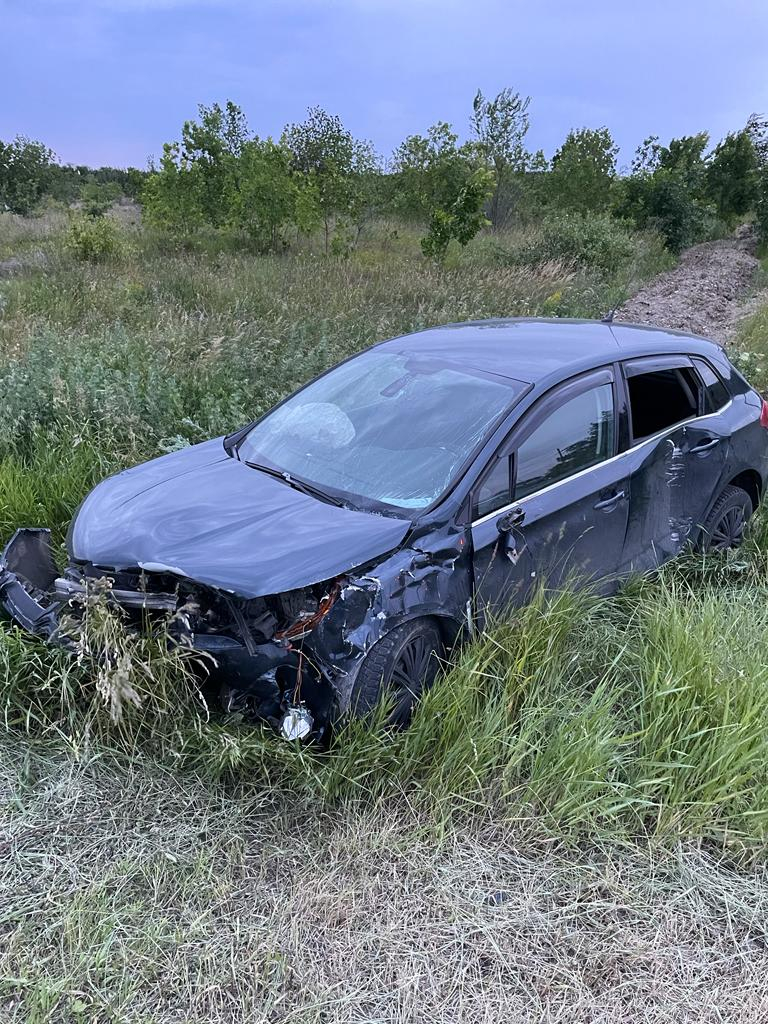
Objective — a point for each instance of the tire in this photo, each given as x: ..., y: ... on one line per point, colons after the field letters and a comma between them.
x: 724, y: 526
x: 402, y: 665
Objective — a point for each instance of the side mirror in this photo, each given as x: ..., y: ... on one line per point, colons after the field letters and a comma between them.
x: 506, y: 524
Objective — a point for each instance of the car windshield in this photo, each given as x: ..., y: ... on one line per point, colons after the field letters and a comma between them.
x: 384, y: 427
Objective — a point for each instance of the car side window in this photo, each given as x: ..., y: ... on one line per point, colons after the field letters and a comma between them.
x: 660, y: 399
x: 493, y: 492
x: 715, y: 392
x: 576, y: 435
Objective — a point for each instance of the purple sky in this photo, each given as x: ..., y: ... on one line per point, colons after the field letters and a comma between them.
x: 108, y: 81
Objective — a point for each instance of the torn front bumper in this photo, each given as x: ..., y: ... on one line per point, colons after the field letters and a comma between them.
x: 259, y: 680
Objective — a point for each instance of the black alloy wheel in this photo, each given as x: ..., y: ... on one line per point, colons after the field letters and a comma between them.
x: 726, y: 523
x: 399, y: 668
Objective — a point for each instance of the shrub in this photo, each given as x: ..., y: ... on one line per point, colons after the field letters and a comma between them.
x: 732, y: 176
x: 594, y: 241
x: 92, y: 240
x: 761, y: 206
x: 661, y: 201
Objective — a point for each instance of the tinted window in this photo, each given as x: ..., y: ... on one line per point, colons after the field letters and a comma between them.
x: 576, y: 435
x: 493, y: 492
x: 661, y: 399
x: 384, y: 426
x: 715, y: 392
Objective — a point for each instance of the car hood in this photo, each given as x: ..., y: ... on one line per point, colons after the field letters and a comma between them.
x: 203, y: 515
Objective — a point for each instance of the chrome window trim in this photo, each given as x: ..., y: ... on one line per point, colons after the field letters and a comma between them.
x: 589, y: 469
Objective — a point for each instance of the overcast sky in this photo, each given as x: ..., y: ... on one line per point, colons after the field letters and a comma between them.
x: 108, y: 81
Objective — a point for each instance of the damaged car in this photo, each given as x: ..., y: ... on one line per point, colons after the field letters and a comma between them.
x: 329, y: 554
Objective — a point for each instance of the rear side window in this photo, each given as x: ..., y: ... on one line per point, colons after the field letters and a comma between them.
x: 715, y: 392
x: 575, y: 436
x: 660, y: 399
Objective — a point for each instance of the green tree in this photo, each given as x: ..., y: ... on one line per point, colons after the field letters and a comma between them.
x: 500, y: 126
x: 197, y: 176
x: 732, y: 176
x: 265, y: 195
x: 757, y: 126
x: 170, y: 196
x: 337, y: 169
x: 444, y: 184
x: 583, y: 170
x: 211, y: 148
x: 663, y: 202
x: 25, y: 170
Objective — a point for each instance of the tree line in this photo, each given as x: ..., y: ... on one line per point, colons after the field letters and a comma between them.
x: 317, y: 177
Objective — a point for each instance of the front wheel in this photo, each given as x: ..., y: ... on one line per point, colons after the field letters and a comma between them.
x: 399, y: 668
x: 724, y: 526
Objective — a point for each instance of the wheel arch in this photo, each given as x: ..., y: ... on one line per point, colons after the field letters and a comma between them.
x: 748, y: 480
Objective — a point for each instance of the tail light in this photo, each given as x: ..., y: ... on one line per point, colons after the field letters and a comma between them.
x: 764, y: 415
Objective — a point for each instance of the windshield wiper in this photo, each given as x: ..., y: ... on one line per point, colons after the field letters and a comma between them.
x: 299, y: 485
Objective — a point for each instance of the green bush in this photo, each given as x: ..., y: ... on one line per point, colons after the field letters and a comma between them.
x: 93, y: 240
x: 592, y: 241
x: 662, y: 201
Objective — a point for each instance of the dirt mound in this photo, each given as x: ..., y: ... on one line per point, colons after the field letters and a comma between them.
x: 706, y: 293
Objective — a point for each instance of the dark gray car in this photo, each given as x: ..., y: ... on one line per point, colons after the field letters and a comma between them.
x: 332, y: 551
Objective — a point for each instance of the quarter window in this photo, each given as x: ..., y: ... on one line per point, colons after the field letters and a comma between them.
x: 715, y: 392
x: 579, y: 434
x: 493, y: 492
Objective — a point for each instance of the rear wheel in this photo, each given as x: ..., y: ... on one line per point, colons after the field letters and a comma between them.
x: 399, y: 668
x: 724, y: 526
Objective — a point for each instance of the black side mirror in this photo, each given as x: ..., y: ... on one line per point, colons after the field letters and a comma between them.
x: 506, y: 524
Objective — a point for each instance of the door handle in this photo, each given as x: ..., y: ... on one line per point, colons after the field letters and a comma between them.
x: 705, y: 446
x: 610, y: 503
x: 505, y: 524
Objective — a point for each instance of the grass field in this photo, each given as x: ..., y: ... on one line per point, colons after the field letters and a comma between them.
x: 573, y: 829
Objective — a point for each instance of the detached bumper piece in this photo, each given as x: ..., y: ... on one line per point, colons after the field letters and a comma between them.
x: 27, y: 577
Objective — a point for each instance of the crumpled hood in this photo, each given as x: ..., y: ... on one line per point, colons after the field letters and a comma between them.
x: 201, y: 514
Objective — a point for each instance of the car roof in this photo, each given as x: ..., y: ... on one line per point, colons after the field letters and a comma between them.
x: 532, y: 349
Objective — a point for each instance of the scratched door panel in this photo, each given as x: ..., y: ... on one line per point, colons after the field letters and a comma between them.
x: 572, y: 534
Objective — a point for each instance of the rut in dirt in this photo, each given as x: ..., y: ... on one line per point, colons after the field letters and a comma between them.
x: 709, y: 292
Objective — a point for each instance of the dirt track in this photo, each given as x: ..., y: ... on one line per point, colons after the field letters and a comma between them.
x: 707, y: 293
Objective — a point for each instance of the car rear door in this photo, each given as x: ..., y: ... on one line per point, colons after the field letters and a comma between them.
x: 678, y: 452
x: 552, y: 505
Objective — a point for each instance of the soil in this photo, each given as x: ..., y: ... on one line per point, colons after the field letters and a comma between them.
x: 709, y: 292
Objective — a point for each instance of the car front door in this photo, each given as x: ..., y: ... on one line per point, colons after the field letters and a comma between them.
x: 552, y: 506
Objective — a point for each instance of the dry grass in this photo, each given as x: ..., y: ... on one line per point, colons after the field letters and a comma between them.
x: 132, y: 895
x: 313, y: 889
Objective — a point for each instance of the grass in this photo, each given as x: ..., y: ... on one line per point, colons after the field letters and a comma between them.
x: 574, y: 827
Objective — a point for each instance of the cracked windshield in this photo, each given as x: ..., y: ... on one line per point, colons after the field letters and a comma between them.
x: 383, y: 427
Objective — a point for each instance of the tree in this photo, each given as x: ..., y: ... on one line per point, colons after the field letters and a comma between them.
x: 337, y: 168
x: 757, y: 126
x: 265, y: 196
x: 24, y: 173
x: 198, y: 176
x: 170, y: 198
x: 732, y: 176
x: 583, y: 169
x: 660, y: 201
x: 684, y: 157
x: 500, y: 126
x: 445, y: 185
x: 211, y: 148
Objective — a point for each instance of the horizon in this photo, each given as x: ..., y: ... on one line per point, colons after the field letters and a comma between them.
x: 110, y: 82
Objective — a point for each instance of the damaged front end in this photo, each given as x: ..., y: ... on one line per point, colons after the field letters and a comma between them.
x: 258, y: 660
x: 290, y: 659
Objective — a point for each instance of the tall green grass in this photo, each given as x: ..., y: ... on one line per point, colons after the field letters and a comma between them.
x: 645, y: 713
